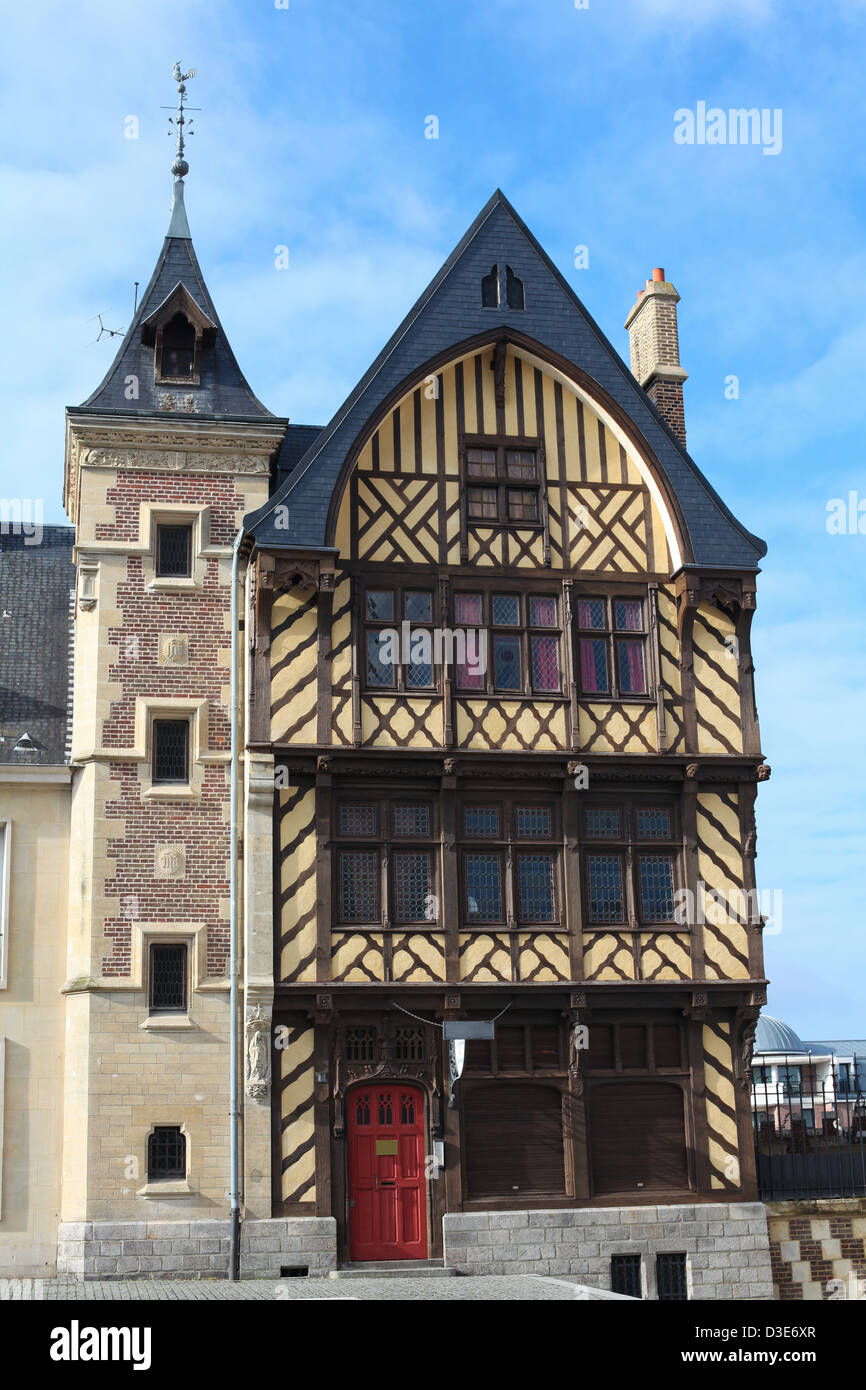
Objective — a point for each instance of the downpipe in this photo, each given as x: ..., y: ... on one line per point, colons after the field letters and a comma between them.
x: 234, y: 1030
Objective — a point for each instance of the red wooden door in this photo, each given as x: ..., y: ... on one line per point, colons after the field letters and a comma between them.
x: 387, y: 1180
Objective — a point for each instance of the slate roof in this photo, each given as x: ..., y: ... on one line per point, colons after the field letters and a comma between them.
x: 224, y: 391
x: 36, y: 586
x: 448, y: 312
x: 296, y: 443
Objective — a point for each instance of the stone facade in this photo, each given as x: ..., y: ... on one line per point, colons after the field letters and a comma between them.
x: 195, y: 1249
x: 725, y: 1244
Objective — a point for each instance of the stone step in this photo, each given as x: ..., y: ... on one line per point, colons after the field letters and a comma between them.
x: 393, y: 1269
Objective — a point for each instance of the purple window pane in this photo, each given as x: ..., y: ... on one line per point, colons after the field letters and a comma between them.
x: 506, y: 610
x: 506, y: 663
x: 590, y: 612
x: 628, y: 615
x: 631, y: 672
x: 593, y: 664
x: 542, y: 612
x: 545, y: 663
x: 605, y: 888
x: 467, y: 609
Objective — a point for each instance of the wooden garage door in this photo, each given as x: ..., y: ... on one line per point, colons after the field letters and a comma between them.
x: 637, y: 1137
x: 512, y: 1140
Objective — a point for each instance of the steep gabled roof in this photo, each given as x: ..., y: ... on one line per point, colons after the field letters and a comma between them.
x: 224, y: 391
x: 36, y: 587
x: 450, y: 312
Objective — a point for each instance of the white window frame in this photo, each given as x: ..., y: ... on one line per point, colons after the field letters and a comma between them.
x: 5, y: 889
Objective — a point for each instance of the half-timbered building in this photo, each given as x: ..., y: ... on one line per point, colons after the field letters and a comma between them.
x: 499, y: 947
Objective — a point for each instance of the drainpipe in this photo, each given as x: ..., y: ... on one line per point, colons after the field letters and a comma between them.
x: 234, y: 1106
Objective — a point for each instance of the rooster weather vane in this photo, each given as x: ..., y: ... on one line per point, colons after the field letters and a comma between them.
x: 177, y: 123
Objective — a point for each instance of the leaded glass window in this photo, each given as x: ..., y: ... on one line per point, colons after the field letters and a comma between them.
x: 653, y: 823
x: 173, y: 551
x: 605, y: 888
x: 412, y: 886
x: 534, y: 823
x: 602, y: 823
x: 399, y: 657
x: 170, y: 750
x: 411, y: 820
x: 656, y: 887
x: 610, y: 662
x: 535, y: 877
x: 359, y: 886
x: 484, y: 888
x: 506, y: 663
x: 358, y: 818
x: 481, y: 822
x: 500, y: 465
x: 168, y: 978
x: 520, y: 636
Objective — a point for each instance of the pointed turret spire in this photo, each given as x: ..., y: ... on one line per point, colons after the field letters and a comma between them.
x: 178, y: 225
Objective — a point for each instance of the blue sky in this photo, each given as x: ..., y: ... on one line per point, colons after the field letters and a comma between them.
x: 312, y: 136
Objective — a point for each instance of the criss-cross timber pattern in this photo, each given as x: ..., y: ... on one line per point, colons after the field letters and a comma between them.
x: 609, y: 955
x: 665, y: 956
x: 397, y: 519
x: 418, y: 957
x: 543, y: 957
x: 294, y: 667
x: 716, y: 676
x: 400, y: 721
x: 341, y: 664
x: 618, y: 728
x: 722, y: 905
x: 608, y: 530
x: 296, y: 810
x: 511, y: 725
x: 721, y: 1106
x: 297, y: 1130
x: 485, y: 957
x: 357, y: 958
x: 485, y: 546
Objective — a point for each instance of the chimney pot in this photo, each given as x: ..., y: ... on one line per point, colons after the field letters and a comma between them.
x: 658, y: 273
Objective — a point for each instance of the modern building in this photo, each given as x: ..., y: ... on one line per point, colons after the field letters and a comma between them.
x: 498, y: 760
x: 807, y: 1087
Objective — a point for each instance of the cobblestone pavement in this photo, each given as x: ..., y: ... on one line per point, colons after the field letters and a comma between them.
x: 500, y: 1288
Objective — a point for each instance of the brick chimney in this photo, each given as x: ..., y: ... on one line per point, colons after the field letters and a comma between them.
x: 655, y: 350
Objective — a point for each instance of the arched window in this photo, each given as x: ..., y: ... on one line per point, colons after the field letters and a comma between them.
x: 490, y: 289
x: 178, y: 349
x: 514, y: 290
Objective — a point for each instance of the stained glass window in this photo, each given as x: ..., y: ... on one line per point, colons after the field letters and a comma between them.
x: 484, y: 888
x: 542, y: 612
x: 534, y: 823
x: 629, y: 660
x: 380, y: 605
x: 359, y: 885
x: 481, y: 821
x: 605, y: 888
x: 412, y: 820
x: 602, y: 823
x: 535, y: 877
x: 653, y: 823
x: 467, y: 609
x: 593, y: 665
x: 656, y: 887
x: 628, y: 615
x: 590, y: 613
x: 412, y: 886
x: 418, y: 606
x: 545, y: 663
x: 506, y: 610
x: 358, y: 818
x: 379, y: 670
x: 506, y: 663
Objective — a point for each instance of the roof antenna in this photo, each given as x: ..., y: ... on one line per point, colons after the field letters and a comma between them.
x: 178, y: 225
x: 135, y: 303
x: 105, y: 332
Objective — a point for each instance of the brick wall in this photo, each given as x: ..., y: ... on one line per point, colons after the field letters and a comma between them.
x: 818, y: 1249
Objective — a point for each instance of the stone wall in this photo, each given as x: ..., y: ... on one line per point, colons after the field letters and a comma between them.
x: 726, y: 1245
x: 195, y: 1249
x: 817, y: 1249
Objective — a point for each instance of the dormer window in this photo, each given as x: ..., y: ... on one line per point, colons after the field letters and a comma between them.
x: 178, y: 350
x: 179, y: 331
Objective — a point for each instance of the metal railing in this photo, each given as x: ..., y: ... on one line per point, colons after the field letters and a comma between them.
x: 809, y: 1121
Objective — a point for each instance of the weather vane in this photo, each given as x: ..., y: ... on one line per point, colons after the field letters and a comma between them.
x: 177, y: 123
